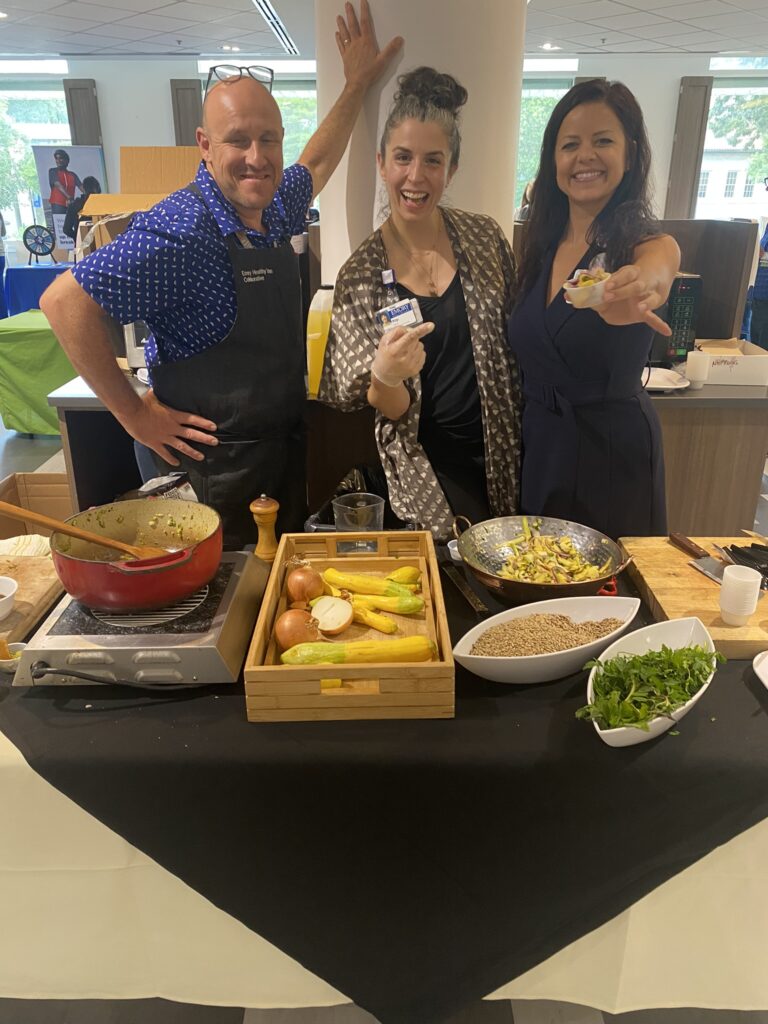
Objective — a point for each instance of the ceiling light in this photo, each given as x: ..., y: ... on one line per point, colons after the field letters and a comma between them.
x: 226, y: 46
x: 37, y: 67
x: 285, y: 68
x: 272, y: 18
x: 3, y: 14
x: 550, y: 64
x: 549, y: 46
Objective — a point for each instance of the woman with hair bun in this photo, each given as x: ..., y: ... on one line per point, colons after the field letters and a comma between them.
x: 591, y: 438
x: 447, y: 421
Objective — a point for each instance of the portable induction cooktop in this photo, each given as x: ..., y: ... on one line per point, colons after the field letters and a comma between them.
x: 197, y: 641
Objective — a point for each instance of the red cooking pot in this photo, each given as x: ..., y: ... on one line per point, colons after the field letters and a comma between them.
x: 94, y: 575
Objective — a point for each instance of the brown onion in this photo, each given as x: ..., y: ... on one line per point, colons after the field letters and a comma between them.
x: 304, y: 584
x: 295, y: 627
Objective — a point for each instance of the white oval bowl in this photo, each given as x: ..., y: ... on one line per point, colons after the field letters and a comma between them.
x: 11, y: 664
x: 586, y: 296
x: 543, y: 668
x: 674, y: 633
x: 8, y: 588
x: 760, y: 665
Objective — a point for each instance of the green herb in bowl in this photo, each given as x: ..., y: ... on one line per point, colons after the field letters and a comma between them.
x: 633, y: 690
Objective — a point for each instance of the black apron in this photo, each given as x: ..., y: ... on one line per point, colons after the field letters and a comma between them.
x: 251, y: 384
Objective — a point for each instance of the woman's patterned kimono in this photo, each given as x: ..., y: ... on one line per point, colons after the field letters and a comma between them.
x: 486, y: 269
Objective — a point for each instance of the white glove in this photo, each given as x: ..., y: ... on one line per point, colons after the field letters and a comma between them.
x: 400, y: 355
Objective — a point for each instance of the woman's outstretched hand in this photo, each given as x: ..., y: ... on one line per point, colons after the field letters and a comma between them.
x: 630, y: 297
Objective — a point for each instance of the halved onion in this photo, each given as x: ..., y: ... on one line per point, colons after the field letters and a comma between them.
x: 332, y: 614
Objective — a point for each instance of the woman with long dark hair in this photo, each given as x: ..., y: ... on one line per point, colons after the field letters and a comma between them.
x: 591, y: 437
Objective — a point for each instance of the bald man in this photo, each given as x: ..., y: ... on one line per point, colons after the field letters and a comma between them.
x: 211, y: 271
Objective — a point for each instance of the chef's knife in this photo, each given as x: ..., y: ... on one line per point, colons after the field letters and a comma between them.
x: 703, y: 561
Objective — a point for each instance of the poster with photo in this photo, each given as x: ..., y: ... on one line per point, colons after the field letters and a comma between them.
x: 67, y: 176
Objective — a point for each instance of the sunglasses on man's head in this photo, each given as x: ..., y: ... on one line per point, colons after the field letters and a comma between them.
x: 231, y: 72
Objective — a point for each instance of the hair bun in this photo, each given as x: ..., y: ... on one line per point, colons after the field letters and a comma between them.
x: 430, y: 86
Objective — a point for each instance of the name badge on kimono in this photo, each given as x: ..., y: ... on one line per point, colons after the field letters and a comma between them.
x: 403, y: 313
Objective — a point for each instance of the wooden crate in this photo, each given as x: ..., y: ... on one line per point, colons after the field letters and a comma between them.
x: 290, y: 693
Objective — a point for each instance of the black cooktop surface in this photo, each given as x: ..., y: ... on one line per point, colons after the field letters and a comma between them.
x: 77, y: 620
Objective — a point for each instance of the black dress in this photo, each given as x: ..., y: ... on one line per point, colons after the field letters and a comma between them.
x: 451, y: 419
x: 592, y: 449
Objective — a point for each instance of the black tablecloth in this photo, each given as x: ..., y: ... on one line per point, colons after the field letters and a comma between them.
x: 414, y: 865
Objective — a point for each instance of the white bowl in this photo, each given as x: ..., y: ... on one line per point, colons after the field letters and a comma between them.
x: 8, y: 588
x: 760, y: 666
x: 543, y: 668
x: 674, y: 633
x: 586, y: 296
x: 11, y: 664
x: 453, y: 551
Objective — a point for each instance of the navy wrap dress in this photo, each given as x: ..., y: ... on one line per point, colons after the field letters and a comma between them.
x: 592, y: 449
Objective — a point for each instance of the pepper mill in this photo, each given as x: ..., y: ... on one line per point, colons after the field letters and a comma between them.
x: 264, y: 511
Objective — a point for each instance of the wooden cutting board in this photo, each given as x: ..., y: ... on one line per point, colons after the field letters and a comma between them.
x: 674, y: 590
x: 39, y: 587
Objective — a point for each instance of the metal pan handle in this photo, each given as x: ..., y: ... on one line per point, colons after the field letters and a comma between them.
x: 455, y: 527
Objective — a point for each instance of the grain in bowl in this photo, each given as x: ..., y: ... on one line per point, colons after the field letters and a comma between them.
x: 540, y: 634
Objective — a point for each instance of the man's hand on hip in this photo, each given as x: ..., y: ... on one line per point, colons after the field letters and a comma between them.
x: 161, y: 428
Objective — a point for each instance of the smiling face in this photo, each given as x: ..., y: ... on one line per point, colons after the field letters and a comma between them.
x: 241, y: 142
x: 416, y: 169
x: 590, y: 156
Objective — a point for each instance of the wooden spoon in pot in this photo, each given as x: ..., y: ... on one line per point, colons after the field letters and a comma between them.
x: 136, y: 551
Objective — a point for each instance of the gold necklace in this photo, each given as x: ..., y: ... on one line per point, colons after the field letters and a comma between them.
x: 428, y: 275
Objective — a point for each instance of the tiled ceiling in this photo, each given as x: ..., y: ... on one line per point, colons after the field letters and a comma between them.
x: 649, y: 26
x: 176, y: 27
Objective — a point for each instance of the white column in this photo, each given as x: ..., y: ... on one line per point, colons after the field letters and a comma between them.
x: 480, y: 44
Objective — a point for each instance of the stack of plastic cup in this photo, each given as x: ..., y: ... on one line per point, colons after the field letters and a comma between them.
x: 697, y: 369
x: 738, y: 594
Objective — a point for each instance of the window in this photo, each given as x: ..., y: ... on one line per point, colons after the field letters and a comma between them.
x: 298, y: 105
x: 735, y: 148
x: 31, y: 113
x: 537, y: 103
x: 737, y: 63
x: 703, y: 182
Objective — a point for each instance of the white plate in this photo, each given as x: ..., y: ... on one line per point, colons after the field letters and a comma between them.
x: 543, y: 668
x: 674, y: 633
x: 760, y: 666
x: 661, y: 379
